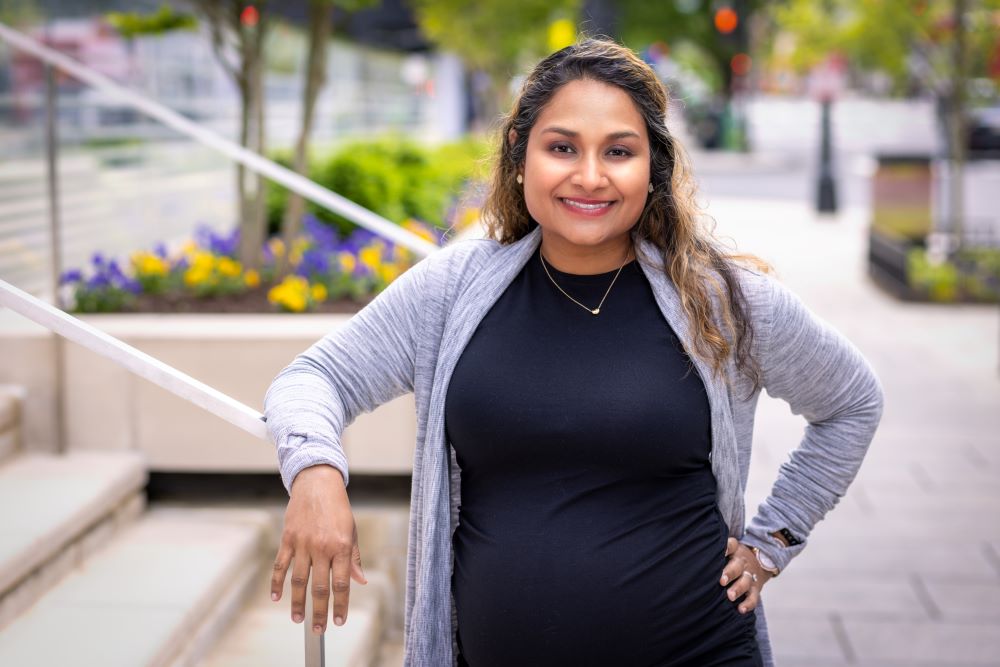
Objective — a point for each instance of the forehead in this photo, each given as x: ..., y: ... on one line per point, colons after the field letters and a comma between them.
x: 591, y: 107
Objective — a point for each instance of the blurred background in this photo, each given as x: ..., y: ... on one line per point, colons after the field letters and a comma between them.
x: 855, y: 145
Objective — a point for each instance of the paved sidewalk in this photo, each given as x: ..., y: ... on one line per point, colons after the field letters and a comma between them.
x: 906, y: 569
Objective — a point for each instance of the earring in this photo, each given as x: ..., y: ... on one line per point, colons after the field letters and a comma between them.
x: 520, y: 179
x: 651, y: 188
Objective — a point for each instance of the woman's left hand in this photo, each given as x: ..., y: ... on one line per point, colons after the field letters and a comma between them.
x: 742, y: 559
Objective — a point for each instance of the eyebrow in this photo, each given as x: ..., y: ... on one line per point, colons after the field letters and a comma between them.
x: 623, y: 134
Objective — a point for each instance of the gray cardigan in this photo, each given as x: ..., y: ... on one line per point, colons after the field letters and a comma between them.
x: 410, y: 337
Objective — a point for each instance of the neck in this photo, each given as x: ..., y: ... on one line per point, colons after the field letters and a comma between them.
x: 586, y: 260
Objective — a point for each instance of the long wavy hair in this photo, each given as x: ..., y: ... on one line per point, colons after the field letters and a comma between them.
x: 693, y: 258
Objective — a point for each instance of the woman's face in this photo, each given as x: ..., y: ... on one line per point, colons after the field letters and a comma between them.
x: 586, y: 170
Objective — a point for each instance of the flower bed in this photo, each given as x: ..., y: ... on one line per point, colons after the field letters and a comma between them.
x: 329, y: 274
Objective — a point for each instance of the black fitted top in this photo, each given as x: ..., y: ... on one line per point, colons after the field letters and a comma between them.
x: 588, y: 528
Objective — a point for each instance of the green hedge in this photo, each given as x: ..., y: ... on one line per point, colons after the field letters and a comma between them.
x: 394, y: 177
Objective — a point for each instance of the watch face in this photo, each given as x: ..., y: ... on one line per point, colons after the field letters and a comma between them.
x: 765, y: 561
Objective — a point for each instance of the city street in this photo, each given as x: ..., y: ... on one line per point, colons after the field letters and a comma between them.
x: 906, y: 569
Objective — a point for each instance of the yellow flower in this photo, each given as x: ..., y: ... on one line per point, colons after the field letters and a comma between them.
x: 251, y: 278
x: 277, y: 246
x: 229, y: 267
x: 389, y: 272
x: 196, y: 275
x: 189, y: 247
x: 295, y: 257
x: 203, y: 260
x: 370, y: 256
x: 291, y: 293
x: 318, y: 292
x: 347, y: 261
x: 148, y: 264
x: 420, y: 229
x: 300, y: 244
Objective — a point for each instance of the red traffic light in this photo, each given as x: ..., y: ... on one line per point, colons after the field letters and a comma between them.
x: 249, y: 16
x: 726, y: 20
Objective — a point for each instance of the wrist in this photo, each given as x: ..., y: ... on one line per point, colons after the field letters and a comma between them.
x: 323, y: 473
x: 764, y: 562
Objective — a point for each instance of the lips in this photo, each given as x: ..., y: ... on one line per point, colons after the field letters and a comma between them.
x: 586, y: 206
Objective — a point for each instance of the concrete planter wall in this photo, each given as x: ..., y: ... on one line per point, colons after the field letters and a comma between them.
x: 109, y: 408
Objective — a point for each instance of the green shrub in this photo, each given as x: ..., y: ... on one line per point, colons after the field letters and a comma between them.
x: 392, y: 176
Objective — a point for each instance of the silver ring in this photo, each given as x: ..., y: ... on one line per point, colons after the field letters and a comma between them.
x: 752, y: 575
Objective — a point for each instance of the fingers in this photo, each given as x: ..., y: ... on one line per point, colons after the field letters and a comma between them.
x: 281, y: 563
x: 320, y: 590
x: 300, y: 575
x: 731, y: 545
x: 341, y: 586
x: 753, y: 597
x: 733, y: 569
x: 357, y: 572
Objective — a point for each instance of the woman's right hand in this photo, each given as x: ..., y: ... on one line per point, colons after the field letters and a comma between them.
x: 319, y: 533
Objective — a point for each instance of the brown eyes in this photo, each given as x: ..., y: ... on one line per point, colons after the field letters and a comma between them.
x: 613, y: 152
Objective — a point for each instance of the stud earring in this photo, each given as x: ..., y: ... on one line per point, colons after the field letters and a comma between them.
x: 650, y: 188
x: 520, y: 179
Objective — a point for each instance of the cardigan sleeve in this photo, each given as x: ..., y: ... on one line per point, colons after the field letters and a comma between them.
x: 823, y: 377
x: 353, y: 369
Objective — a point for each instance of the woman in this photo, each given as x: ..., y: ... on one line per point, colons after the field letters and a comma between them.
x: 585, y: 382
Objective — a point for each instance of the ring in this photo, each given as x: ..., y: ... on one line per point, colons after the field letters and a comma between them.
x: 752, y: 575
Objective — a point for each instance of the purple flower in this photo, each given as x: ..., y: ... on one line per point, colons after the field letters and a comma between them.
x: 324, y: 235
x: 97, y: 259
x: 314, y: 261
x: 226, y: 246
x: 132, y: 286
x: 161, y: 250
x: 98, y: 281
x: 71, y: 276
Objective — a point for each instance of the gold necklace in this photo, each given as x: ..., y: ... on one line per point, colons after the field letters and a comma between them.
x: 592, y: 311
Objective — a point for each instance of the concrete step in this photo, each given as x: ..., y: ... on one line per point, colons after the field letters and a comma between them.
x: 157, y: 594
x: 12, y: 399
x: 58, y: 510
x: 264, y: 634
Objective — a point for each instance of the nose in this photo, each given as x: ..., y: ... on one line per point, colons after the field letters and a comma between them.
x: 589, y: 174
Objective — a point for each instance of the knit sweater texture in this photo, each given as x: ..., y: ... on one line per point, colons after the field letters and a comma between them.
x: 409, y: 339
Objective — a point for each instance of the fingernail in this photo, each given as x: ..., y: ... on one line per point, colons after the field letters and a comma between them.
x: 297, y: 618
x: 318, y: 629
x: 274, y: 597
x: 743, y: 610
x: 725, y: 580
x: 732, y: 595
x: 338, y: 620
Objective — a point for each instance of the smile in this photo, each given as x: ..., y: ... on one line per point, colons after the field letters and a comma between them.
x: 588, y: 207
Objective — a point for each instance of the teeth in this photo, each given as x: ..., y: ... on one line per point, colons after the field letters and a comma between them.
x: 587, y: 207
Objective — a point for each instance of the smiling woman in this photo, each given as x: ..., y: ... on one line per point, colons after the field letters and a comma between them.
x: 586, y: 176
x: 586, y: 381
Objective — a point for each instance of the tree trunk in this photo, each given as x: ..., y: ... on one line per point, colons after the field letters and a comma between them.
x: 320, y: 21
x: 957, y: 126
x: 252, y: 194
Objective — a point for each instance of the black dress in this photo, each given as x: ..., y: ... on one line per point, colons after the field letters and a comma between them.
x: 588, y: 528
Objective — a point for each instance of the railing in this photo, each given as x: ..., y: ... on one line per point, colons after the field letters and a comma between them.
x: 121, y: 353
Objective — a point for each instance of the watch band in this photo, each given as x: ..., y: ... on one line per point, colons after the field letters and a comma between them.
x: 765, y: 563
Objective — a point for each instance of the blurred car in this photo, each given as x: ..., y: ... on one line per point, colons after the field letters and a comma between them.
x: 984, y: 131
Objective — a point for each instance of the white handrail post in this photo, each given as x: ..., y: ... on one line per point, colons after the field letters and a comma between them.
x: 55, y: 244
x: 315, y: 644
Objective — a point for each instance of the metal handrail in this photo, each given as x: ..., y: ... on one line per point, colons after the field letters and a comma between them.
x: 125, y: 355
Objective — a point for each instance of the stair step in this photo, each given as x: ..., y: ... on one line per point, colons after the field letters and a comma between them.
x: 152, y: 596
x: 264, y: 635
x: 64, y: 505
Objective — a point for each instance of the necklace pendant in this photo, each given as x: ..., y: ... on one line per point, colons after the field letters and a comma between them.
x: 595, y: 311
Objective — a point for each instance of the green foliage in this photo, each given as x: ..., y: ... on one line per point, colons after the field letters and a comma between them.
x: 972, y: 274
x: 164, y: 19
x: 905, y: 39
x: 394, y: 177
x: 496, y: 36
